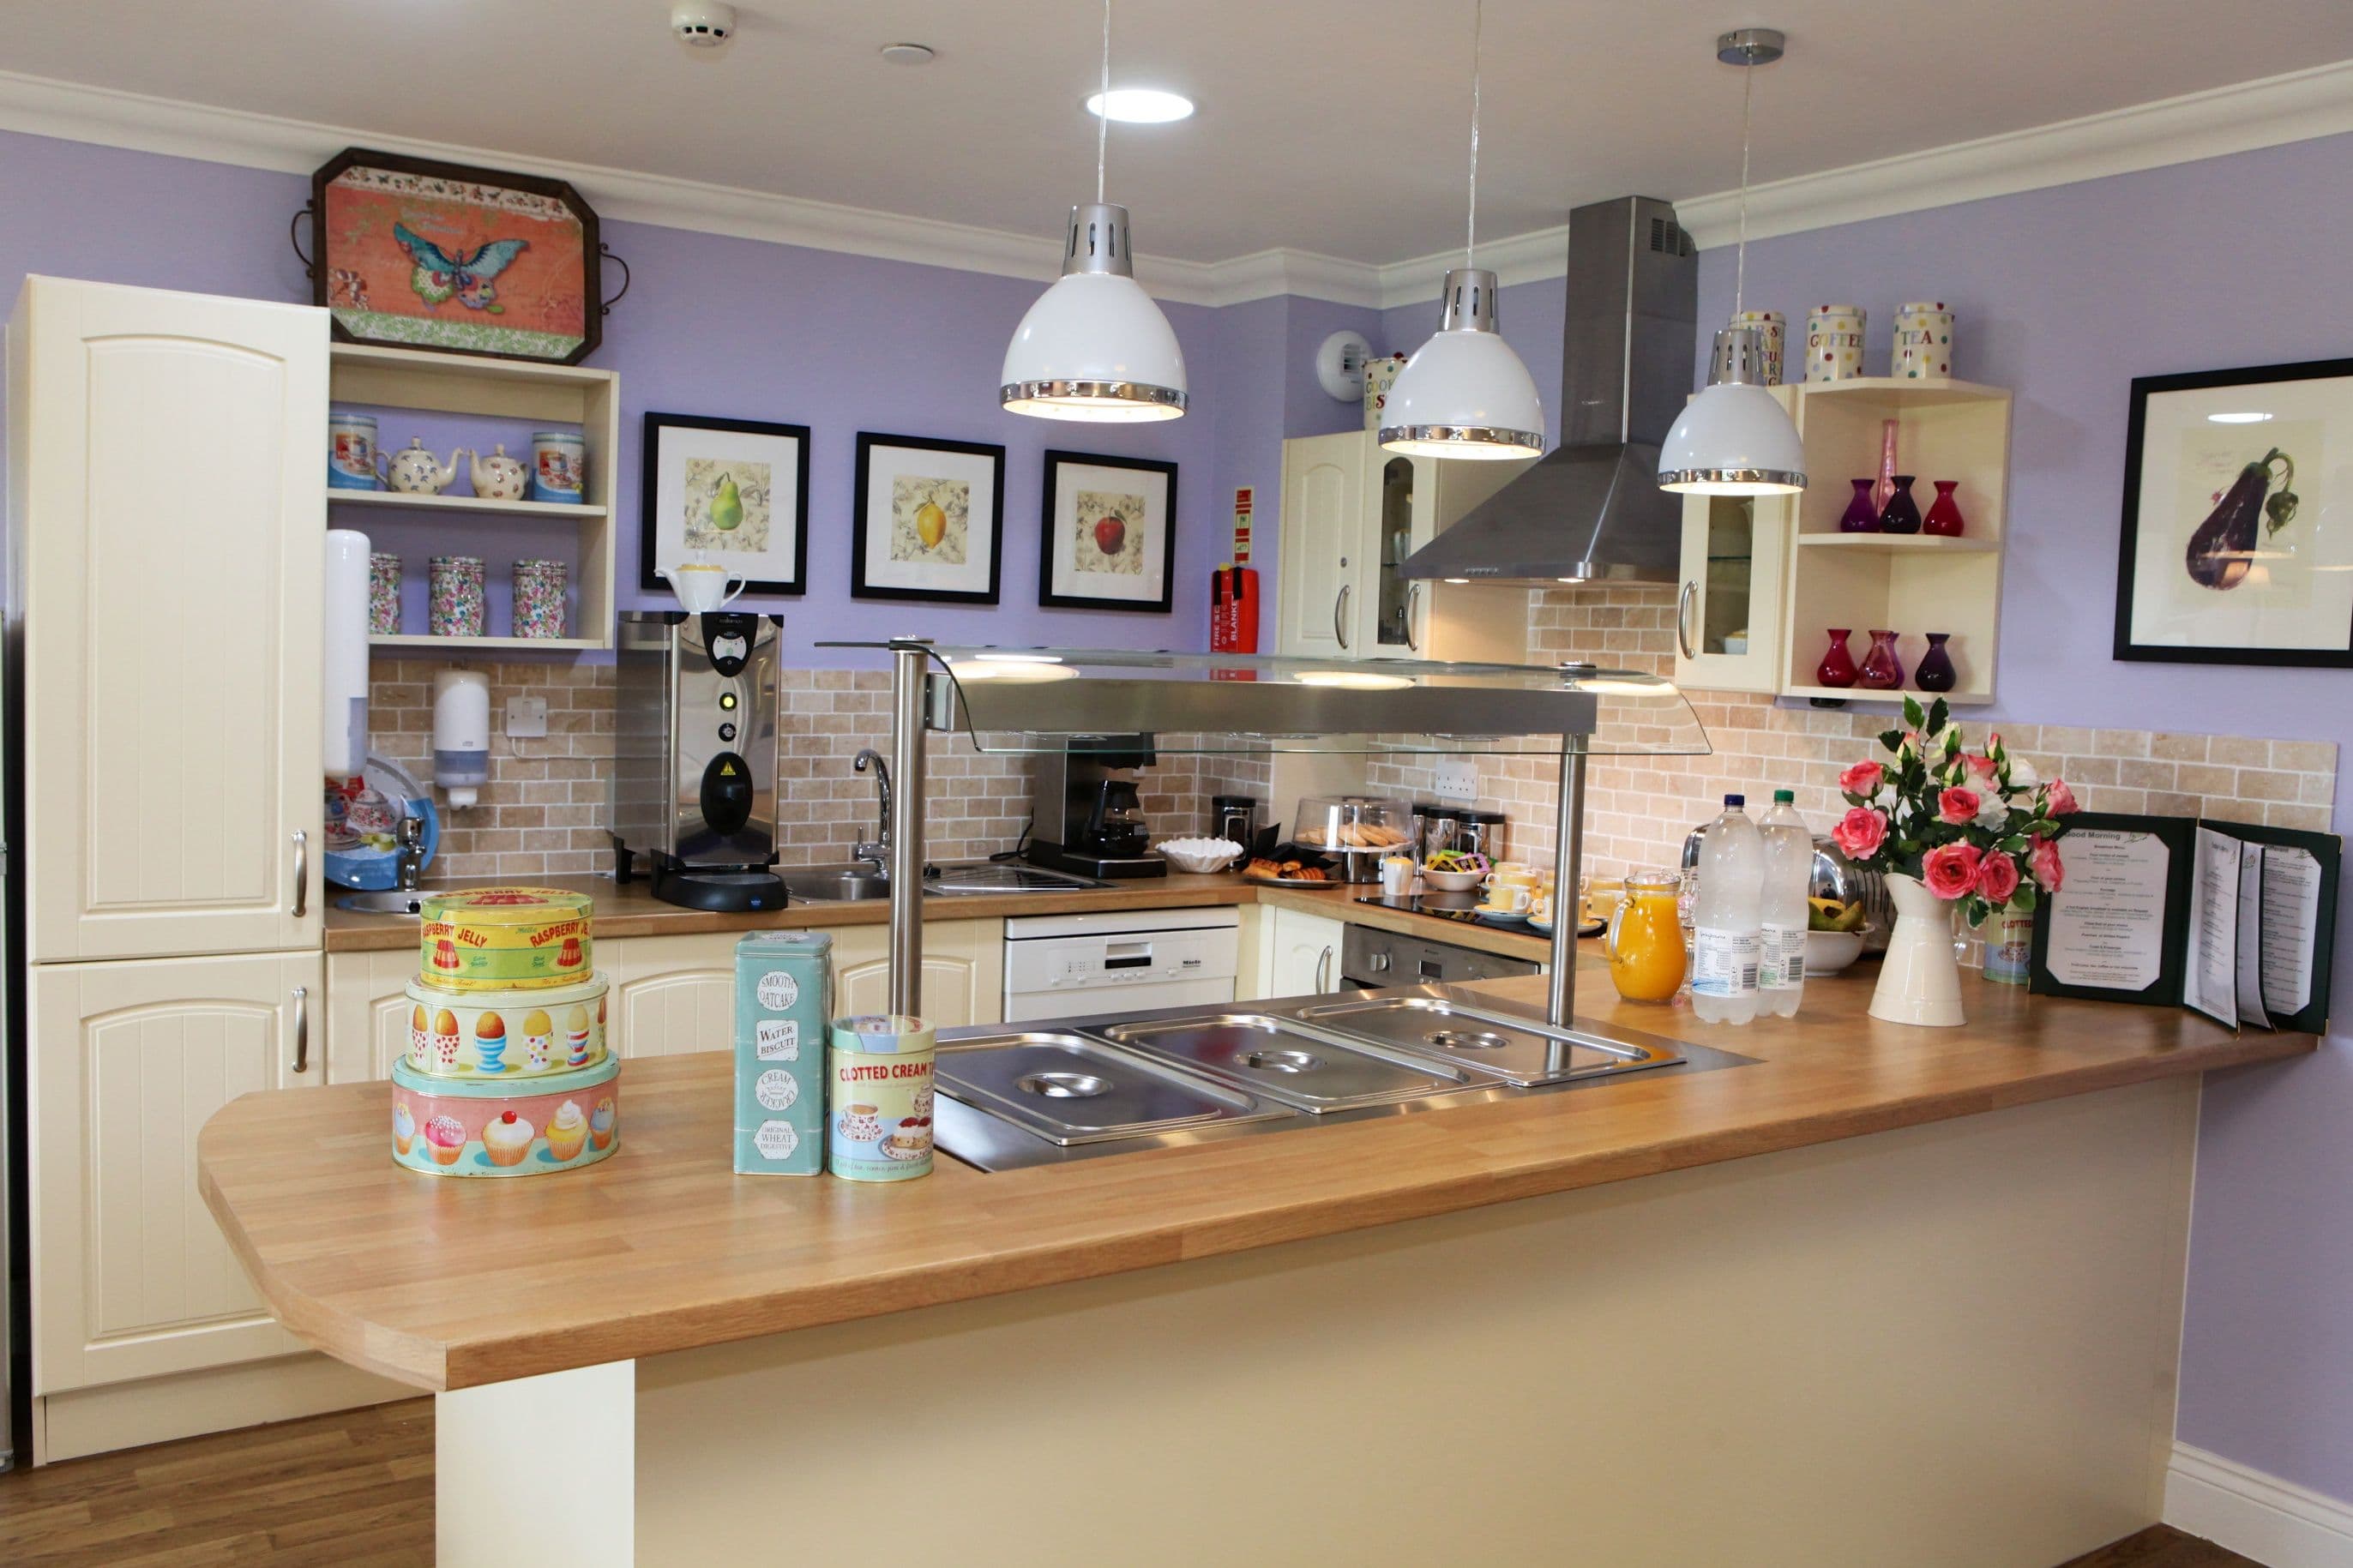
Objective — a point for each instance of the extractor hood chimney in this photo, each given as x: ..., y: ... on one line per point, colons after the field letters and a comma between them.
x: 1591, y: 510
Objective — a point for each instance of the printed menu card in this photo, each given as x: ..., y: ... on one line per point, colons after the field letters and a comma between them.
x: 2227, y: 918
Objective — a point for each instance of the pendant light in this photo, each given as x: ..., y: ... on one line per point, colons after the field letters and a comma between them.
x: 1094, y: 346
x: 1464, y: 393
x: 1735, y: 439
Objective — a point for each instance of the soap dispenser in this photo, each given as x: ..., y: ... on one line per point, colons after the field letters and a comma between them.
x: 461, y: 733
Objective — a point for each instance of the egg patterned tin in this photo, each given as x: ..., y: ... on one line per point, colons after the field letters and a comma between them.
x: 506, y: 1034
x: 530, y: 1127
x: 496, y: 939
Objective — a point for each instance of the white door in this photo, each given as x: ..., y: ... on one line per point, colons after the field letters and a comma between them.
x: 964, y: 972
x: 1728, y: 610
x: 171, y: 455
x: 366, y: 1012
x: 130, y: 1275
x: 1317, y: 599
x: 1306, y: 954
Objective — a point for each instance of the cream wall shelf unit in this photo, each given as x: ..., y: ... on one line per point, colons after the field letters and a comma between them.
x: 571, y: 395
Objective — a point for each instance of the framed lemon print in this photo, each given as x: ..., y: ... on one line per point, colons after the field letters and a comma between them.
x: 928, y: 521
x: 734, y: 493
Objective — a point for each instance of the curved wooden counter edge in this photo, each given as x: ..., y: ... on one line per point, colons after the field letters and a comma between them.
x: 452, y: 1283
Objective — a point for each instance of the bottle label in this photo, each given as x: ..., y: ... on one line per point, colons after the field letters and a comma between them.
x: 1781, y: 963
x: 1724, y: 963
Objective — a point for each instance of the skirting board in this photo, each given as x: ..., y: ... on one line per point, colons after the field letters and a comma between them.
x: 78, y: 1422
x: 2276, y: 1522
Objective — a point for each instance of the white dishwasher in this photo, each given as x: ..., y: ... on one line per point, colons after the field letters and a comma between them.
x: 1059, y: 966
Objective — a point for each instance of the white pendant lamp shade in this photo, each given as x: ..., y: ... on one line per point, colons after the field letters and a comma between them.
x: 1735, y: 439
x: 1094, y: 346
x: 1464, y: 393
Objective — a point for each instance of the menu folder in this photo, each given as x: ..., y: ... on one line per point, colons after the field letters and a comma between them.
x: 2231, y: 920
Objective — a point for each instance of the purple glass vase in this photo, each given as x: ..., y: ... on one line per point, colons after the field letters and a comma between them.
x: 1882, y: 670
x: 1837, y: 668
x: 1900, y: 514
x: 1861, y: 516
x: 1936, y: 672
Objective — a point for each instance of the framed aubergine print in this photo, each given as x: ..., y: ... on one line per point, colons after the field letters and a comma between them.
x: 733, y: 492
x: 2238, y: 517
x: 424, y: 254
x: 928, y: 520
x: 1109, y: 534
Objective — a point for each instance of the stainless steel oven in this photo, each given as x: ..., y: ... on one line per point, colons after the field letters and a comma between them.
x: 1372, y: 959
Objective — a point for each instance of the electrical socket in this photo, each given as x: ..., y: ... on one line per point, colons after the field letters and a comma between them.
x: 526, y: 717
x: 1455, y: 778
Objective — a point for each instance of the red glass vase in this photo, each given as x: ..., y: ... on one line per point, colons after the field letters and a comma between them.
x: 1944, y: 518
x: 1837, y: 668
x: 1882, y: 670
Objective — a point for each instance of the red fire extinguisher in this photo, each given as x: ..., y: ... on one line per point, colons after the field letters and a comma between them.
x: 1233, y: 590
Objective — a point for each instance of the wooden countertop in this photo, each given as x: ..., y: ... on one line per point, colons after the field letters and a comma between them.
x: 452, y: 1283
x: 631, y: 910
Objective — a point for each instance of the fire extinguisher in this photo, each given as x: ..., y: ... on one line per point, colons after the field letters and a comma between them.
x: 1233, y: 609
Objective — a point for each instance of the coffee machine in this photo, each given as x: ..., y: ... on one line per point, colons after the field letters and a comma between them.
x: 1086, y: 814
x: 694, y: 767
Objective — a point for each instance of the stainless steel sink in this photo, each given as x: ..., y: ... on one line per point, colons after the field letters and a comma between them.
x: 1070, y: 1088
x: 393, y: 902
x: 1519, y: 1050
x: 1279, y: 1057
x: 835, y: 884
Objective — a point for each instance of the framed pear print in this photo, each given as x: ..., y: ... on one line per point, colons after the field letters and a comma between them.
x: 927, y: 520
x: 733, y: 492
x: 1109, y: 534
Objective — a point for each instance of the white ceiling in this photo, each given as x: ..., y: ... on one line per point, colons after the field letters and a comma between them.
x: 1332, y: 126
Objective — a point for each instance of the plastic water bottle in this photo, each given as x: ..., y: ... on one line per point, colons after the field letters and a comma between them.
x: 1725, y: 923
x: 1789, y: 877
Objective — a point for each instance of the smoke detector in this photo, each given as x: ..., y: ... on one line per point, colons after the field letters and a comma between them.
x: 702, y: 25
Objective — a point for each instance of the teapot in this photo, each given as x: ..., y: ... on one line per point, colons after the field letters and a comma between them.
x: 499, y: 477
x: 413, y: 469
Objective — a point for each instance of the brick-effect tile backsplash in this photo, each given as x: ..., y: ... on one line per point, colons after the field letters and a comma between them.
x: 545, y: 812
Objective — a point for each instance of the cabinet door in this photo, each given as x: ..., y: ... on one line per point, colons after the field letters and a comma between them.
x: 1306, y: 954
x: 169, y: 468
x: 1317, y: 597
x: 1728, y: 610
x: 130, y: 1275
x: 671, y: 994
x: 964, y: 972
x: 367, y: 1013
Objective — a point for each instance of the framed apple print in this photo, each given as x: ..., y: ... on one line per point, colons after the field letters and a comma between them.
x: 2238, y: 517
x: 1111, y: 532
x: 928, y: 521
x: 734, y: 491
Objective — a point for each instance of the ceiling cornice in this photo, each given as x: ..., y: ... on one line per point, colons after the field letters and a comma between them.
x: 2236, y: 119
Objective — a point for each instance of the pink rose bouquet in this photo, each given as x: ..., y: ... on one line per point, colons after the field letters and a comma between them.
x: 1972, y: 827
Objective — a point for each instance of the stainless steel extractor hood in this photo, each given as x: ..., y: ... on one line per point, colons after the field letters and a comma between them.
x: 1593, y: 509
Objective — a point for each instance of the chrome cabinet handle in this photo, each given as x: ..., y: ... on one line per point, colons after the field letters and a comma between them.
x: 1683, y: 618
x: 1323, y: 971
x: 301, y: 873
x: 302, y: 1029
x: 1412, y: 602
x: 1339, y: 616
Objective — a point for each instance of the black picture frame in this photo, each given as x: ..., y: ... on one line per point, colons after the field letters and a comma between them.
x: 322, y: 264
x: 1049, y: 512
x: 2129, y: 543
x: 650, y: 481
x: 861, y: 585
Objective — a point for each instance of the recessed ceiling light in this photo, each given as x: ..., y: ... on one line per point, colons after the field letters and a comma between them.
x: 2248, y: 417
x: 907, y: 54
x: 1139, y: 105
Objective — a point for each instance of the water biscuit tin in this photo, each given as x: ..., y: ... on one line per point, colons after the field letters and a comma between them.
x: 784, y: 997
x: 493, y: 939
x: 486, y: 1127
x: 879, y: 1099
x: 506, y: 1034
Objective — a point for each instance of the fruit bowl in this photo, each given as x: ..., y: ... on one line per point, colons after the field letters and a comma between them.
x: 1200, y: 857
x: 1452, y: 881
x: 1828, y: 951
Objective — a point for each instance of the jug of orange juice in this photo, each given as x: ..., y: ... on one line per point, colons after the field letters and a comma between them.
x: 1646, y: 939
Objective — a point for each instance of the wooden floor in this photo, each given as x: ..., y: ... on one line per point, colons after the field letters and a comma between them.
x: 355, y: 1490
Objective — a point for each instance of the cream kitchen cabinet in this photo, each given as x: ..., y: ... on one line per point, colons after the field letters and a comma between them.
x: 964, y: 972
x: 1351, y: 515
x: 1728, y: 607
x: 131, y: 1276
x: 1305, y: 959
x: 165, y: 462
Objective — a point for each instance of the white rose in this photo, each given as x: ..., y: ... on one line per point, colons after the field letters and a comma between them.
x: 2022, y: 776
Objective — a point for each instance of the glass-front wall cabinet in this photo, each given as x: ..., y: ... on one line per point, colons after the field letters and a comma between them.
x: 1728, y: 605
x: 1395, y: 631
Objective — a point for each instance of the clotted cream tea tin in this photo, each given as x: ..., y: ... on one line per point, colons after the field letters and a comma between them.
x: 878, y: 1094
x: 493, y: 939
x: 784, y: 997
x: 488, y: 1127
x: 506, y: 1034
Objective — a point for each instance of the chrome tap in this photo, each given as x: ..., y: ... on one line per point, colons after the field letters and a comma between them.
x: 879, y: 852
x: 410, y: 834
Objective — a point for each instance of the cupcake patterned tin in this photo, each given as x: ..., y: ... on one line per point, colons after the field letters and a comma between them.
x: 533, y: 1127
x: 498, y: 938
x: 506, y: 1034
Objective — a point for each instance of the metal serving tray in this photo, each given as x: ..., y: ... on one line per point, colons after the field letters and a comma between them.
x: 1519, y: 1050
x: 1312, y: 1069
x: 1071, y: 1089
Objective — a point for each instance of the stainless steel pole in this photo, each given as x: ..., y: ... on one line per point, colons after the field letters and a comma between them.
x: 910, y: 665
x: 1567, y: 861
